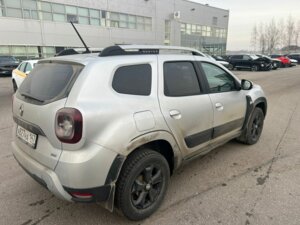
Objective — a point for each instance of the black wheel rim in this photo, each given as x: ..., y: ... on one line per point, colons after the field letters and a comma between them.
x: 256, y: 127
x: 147, y: 187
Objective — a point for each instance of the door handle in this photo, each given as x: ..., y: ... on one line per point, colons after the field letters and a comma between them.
x: 175, y: 114
x: 219, y: 106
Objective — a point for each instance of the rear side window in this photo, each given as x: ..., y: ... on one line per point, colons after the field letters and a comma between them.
x: 133, y: 80
x: 236, y: 57
x: 180, y: 79
x: 49, y: 81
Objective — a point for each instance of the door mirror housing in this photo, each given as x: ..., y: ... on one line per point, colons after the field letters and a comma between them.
x: 246, y: 85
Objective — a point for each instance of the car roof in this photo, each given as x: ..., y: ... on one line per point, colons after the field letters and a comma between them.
x: 30, y: 61
x: 83, y: 59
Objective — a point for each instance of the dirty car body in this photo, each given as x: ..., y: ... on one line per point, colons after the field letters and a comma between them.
x: 83, y: 122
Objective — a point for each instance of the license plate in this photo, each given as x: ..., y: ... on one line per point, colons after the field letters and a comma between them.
x: 27, y: 137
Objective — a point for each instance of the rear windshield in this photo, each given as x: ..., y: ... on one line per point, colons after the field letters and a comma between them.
x: 7, y: 59
x: 49, y: 81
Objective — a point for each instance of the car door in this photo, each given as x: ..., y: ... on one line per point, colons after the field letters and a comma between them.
x: 247, y: 61
x: 186, y: 108
x: 229, y: 102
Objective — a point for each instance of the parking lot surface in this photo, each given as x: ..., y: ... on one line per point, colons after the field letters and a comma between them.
x: 234, y: 184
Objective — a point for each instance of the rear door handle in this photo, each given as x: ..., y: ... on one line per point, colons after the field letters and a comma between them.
x: 219, y: 106
x: 175, y: 114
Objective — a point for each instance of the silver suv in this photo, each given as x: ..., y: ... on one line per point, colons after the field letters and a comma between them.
x: 113, y: 127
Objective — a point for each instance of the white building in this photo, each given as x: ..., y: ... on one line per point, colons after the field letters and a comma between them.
x: 38, y: 28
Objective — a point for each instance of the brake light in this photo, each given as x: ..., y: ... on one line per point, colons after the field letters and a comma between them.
x: 68, y: 125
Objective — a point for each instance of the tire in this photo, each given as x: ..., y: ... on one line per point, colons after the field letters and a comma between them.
x: 254, y: 68
x: 254, y: 128
x: 15, y: 87
x: 142, y: 184
x: 230, y: 66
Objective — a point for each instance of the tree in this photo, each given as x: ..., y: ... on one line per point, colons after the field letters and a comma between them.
x: 297, y: 33
x: 262, y: 38
x: 272, y: 36
x: 290, y: 26
x: 254, y: 38
x: 282, y: 33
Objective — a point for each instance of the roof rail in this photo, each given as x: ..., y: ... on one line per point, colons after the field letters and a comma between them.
x: 145, y: 50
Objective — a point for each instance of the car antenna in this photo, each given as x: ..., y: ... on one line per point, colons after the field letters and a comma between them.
x: 86, y: 47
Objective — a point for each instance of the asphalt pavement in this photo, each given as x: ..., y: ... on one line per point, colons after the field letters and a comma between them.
x: 233, y: 184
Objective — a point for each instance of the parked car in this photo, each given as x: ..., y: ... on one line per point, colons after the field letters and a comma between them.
x: 285, y: 61
x: 116, y: 138
x: 20, y: 73
x: 219, y: 58
x: 294, y: 62
x: 222, y: 62
x: 8, y: 64
x: 276, y: 63
x: 249, y: 61
x: 295, y: 56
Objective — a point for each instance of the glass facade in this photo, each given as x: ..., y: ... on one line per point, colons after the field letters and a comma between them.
x: 30, y: 52
x: 40, y: 10
x: 211, y: 40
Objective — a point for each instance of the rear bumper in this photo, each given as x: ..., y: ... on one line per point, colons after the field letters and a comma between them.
x: 40, y: 173
x: 52, y: 180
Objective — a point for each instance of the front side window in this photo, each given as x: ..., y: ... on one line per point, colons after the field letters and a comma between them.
x: 180, y: 79
x: 246, y: 57
x: 28, y: 67
x: 133, y: 80
x: 218, y: 80
x: 22, y: 67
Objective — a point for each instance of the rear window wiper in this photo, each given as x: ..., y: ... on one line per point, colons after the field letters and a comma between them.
x: 31, y: 97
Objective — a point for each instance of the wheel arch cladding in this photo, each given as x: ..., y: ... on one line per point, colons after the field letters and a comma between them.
x: 161, y: 146
x: 261, y: 103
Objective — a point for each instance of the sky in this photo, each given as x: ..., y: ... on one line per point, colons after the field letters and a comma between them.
x: 244, y: 14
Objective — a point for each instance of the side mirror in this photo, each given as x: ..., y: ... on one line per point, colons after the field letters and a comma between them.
x: 246, y: 85
x: 27, y: 72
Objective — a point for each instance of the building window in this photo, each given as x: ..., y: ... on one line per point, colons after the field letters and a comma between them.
x: 36, y: 9
x: 59, y: 17
x: 215, y: 21
x: 71, y: 10
x: 12, y: 3
x: 58, y: 8
x: 4, y: 50
x: 30, y: 9
x: 167, y: 32
x: 45, y: 6
x: 95, y: 17
x: 10, y: 12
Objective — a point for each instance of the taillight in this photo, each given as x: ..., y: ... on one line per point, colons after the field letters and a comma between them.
x: 68, y: 125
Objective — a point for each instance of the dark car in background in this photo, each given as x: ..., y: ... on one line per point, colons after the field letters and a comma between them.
x: 276, y: 63
x: 249, y: 61
x: 8, y: 64
x: 295, y: 56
